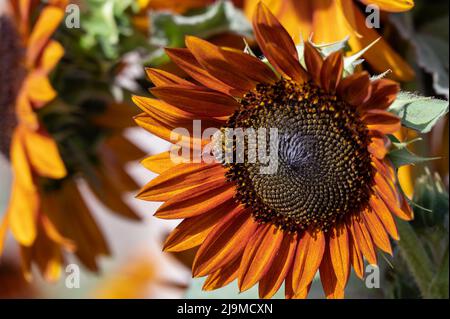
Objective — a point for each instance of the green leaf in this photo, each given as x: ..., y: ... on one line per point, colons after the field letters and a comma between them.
x: 169, y: 30
x: 401, y: 155
x: 105, y: 24
x: 418, y: 112
x: 430, y: 44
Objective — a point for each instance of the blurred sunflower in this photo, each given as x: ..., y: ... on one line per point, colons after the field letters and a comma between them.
x: 331, y: 20
x: 47, y: 213
x: 331, y: 201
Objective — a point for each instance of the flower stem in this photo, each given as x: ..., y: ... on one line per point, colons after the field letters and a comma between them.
x: 413, y: 252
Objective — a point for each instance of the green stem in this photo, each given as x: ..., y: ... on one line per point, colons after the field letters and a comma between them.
x: 413, y: 252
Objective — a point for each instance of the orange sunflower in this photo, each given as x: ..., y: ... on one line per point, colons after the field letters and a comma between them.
x: 332, y: 20
x: 332, y: 199
x: 47, y: 214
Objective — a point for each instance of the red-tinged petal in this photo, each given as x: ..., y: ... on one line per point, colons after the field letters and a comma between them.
x: 340, y: 254
x: 330, y: 284
x: 385, y: 216
x: 361, y: 235
x: 197, y: 100
x: 225, y: 242
x: 331, y: 72
x: 187, y: 62
x: 259, y: 255
x: 286, y: 65
x: 382, y: 121
x: 314, y: 62
x: 191, y: 232
x: 222, y: 276
x: 307, y: 259
x: 160, y: 77
x: 196, y: 201
x: 384, y: 93
x: 269, y: 31
x: 355, y: 89
x: 377, y: 232
x: 211, y: 58
x: 272, y: 280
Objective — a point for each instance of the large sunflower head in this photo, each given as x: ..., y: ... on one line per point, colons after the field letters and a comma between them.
x: 330, y: 199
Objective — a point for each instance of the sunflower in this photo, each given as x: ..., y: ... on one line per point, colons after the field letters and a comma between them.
x: 332, y: 200
x: 47, y: 214
x: 331, y: 20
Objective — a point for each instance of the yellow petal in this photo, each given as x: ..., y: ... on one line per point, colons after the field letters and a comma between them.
x: 43, y: 154
x: 48, y: 21
x: 53, y: 52
x: 391, y: 5
x: 39, y: 89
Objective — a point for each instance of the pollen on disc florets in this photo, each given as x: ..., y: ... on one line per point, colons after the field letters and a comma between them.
x: 324, y: 168
x: 11, y: 75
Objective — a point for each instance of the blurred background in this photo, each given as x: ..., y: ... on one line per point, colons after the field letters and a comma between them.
x: 102, y: 66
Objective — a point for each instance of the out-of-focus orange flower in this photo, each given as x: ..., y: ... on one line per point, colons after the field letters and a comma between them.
x: 332, y: 20
x: 33, y: 153
x: 47, y: 214
x: 139, y: 277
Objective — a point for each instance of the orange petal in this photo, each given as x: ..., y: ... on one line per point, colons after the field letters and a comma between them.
x: 382, y: 121
x: 198, y: 101
x: 160, y: 77
x: 184, y: 177
x: 356, y: 257
x: 286, y: 64
x: 388, y: 193
x: 268, y: 30
x: 384, y: 215
x: 364, y: 36
x: 47, y: 23
x: 330, y: 284
x: 43, y: 154
x: 192, y: 231
x: 197, y: 201
x: 186, y: 61
x: 313, y: 61
x: 331, y: 72
x: 39, y: 89
x: 225, y: 242
x: 158, y: 163
x: 259, y: 255
x: 275, y: 275
x: 222, y: 276
x: 376, y: 229
x: 53, y: 52
x: 384, y: 93
x: 212, y: 58
x: 391, y: 5
x: 356, y: 89
x: 340, y: 254
x: 378, y: 146
x: 307, y: 260
x: 361, y: 235
x: 237, y: 69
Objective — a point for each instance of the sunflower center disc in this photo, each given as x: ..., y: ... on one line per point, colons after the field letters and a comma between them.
x: 324, y: 169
